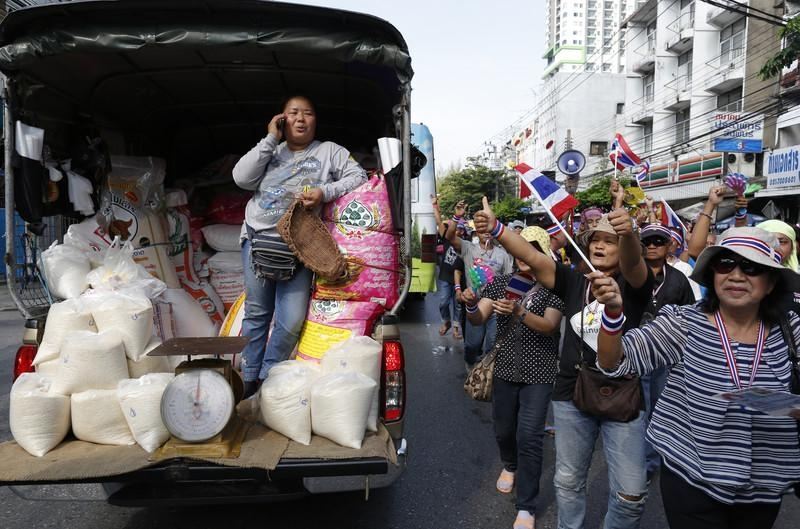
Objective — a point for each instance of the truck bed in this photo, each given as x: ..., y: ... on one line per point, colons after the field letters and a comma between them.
x: 76, y: 461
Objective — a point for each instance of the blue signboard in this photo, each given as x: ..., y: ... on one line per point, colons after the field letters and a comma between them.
x: 736, y: 145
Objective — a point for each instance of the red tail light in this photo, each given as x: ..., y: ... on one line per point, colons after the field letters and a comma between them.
x: 23, y: 362
x: 394, y: 381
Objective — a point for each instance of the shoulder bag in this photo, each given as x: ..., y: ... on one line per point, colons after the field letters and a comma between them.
x: 617, y: 399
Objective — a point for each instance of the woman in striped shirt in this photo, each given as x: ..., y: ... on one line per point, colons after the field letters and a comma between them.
x: 740, y: 460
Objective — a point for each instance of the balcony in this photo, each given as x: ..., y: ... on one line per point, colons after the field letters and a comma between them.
x: 646, y: 62
x: 790, y: 78
x: 722, y: 16
x: 729, y: 72
x: 683, y: 33
x: 643, y: 109
x: 678, y: 94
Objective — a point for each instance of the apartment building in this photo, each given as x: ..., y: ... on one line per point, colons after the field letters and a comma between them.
x: 691, y: 68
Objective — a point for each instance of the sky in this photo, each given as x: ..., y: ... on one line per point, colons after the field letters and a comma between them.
x: 477, y: 65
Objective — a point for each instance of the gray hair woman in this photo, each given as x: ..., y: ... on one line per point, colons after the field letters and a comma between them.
x: 736, y: 460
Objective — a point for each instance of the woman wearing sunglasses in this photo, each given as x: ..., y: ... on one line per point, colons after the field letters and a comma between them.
x: 724, y: 465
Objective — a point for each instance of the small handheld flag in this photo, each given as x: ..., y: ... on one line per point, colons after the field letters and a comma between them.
x: 518, y: 286
x: 621, y: 155
x: 644, y: 170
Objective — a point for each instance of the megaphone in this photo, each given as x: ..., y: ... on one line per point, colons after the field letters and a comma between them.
x: 571, y: 162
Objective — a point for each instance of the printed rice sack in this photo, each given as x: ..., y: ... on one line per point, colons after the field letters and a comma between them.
x: 140, y: 400
x: 227, y: 276
x: 66, y: 316
x: 361, y: 224
x: 181, y: 248
x: 163, y: 322
x: 330, y: 322
x: 90, y: 361
x: 340, y: 404
x: 97, y: 418
x: 38, y: 417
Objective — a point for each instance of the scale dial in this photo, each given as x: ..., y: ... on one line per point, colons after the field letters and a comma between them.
x: 197, y: 405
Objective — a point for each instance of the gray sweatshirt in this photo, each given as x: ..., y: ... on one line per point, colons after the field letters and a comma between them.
x: 277, y: 174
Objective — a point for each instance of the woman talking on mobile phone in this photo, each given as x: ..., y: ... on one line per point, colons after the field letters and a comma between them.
x: 288, y: 164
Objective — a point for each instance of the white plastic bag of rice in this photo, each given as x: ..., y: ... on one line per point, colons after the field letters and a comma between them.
x: 295, y: 366
x: 49, y: 369
x: 191, y: 319
x: 38, y: 418
x: 223, y: 237
x: 97, y: 418
x: 362, y: 355
x: 127, y: 312
x: 285, y: 404
x: 149, y: 364
x: 90, y: 361
x: 66, y: 316
x: 140, y: 400
x: 339, y: 407
x: 65, y: 268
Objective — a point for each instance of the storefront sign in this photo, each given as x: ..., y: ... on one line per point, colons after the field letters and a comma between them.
x: 736, y: 132
x: 782, y: 167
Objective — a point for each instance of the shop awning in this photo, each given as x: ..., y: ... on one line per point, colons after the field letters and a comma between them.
x: 778, y: 192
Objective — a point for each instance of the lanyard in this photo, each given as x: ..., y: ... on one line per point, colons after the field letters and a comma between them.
x: 658, y: 289
x: 730, y: 357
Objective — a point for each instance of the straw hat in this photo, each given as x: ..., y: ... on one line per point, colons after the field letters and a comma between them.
x: 603, y: 226
x: 755, y: 245
x: 538, y: 235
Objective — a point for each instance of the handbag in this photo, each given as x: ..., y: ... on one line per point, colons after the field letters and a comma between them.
x: 478, y: 384
x: 794, y: 361
x: 617, y: 399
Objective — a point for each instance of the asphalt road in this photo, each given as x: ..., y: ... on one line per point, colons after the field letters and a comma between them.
x: 449, y: 482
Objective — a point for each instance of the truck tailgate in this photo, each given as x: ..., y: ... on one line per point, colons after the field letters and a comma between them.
x: 76, y: 461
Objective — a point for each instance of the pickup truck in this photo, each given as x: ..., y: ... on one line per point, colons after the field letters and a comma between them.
x: 190, y: 82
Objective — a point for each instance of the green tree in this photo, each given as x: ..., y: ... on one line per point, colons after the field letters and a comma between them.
x: 508, y: 209
x: 416, y: 241
x: 790, y: 35
x: 470, y: 185
x: 598, y: 193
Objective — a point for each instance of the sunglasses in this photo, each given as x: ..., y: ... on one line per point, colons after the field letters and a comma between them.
x: 725, y: 265
x: 654, y: 241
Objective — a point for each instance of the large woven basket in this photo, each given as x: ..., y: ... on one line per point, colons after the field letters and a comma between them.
x: 309, y: 239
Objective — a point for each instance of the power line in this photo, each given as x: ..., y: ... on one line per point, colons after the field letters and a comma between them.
x: 773, y: 19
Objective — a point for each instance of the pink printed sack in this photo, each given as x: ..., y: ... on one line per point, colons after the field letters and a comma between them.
x: 361, y: 224
x: 330, y: 322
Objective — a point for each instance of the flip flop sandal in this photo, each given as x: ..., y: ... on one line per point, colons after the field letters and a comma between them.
x: 505, y: 483
x: 444, y: 328
x: 456, y: 333
x: 524, y: 521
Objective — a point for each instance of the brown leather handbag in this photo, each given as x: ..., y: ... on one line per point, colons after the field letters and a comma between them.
x: 618, y: 399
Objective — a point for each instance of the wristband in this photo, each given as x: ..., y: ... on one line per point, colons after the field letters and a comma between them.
x: 612, y: 324
x: 741, y: 213
x: 498, y: 229
x: 472, y: 309
x: 457, y: 219
x: 457, y: 287
x: 703, y: 213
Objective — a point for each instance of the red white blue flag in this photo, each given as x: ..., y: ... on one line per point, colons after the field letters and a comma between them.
x: 644, y: 170
x: 519, y: 285
x: 621, y: 155
x: 547, y: 192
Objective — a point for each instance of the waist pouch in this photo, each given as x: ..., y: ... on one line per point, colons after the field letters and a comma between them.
x: 270, y: 257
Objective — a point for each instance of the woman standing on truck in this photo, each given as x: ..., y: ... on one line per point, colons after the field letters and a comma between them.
x: 276, y: 283
x: 525, y: 370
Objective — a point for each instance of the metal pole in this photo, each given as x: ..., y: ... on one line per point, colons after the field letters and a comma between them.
x: 406, y: 141
x: 8, y: 149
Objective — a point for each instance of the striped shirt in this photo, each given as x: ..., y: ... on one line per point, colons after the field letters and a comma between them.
x: 733, y: 454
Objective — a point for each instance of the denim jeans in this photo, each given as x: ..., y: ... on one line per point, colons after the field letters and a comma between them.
x: 652, y: 386
x: 519, y: 411
x: 623, y: 447
x: 447, y: 299
x: 479, y: 339
x: 287, y: 301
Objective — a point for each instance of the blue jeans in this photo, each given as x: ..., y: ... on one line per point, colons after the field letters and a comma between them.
x: 519, y: 411
x: 479, y: 339
x: 652, y: 386
x: 623, y: 447
x: 447, y: 299
x: 287, y: 301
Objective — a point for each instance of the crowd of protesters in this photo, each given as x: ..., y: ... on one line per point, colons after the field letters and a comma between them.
x: 643, y: 334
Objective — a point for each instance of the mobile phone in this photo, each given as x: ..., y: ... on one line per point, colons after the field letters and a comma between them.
x: 281, y: 123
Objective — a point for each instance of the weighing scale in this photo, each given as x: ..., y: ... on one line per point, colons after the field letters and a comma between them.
x: 198, y: 405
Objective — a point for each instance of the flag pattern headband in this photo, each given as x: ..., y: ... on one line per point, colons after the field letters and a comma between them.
x: 753, y: 244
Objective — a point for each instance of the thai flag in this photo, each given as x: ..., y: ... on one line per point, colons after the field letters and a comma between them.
x: 547, y: 192
x: 519, y: 285
x: 644, y: 170
x: 621, y: 155
x: 670, y: 219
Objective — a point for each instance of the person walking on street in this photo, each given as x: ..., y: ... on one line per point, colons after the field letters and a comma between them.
x: 725, y: 465
x: 525, y: 369
x: 615, y: 251
x: 478, y: 339
x: 445, y: 283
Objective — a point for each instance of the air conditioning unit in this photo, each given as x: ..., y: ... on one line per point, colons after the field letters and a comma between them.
x: 741, y: 162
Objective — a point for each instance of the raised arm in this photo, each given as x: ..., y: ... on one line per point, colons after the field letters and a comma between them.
x: 651, y: 212
x: 441, y: 228
x: 251, y: 168
x: 740, y: 218
x: 543, y: 267
x: 697, y: 242
x: 631, y: 263
x: 609, y: 343
x: 458, y: 216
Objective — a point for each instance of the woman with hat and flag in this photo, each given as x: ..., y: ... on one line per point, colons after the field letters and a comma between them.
x: 725, y: 465
x: 528, y: 321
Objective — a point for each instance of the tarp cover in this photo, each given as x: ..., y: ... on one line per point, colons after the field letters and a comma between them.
x: 76, y: 460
